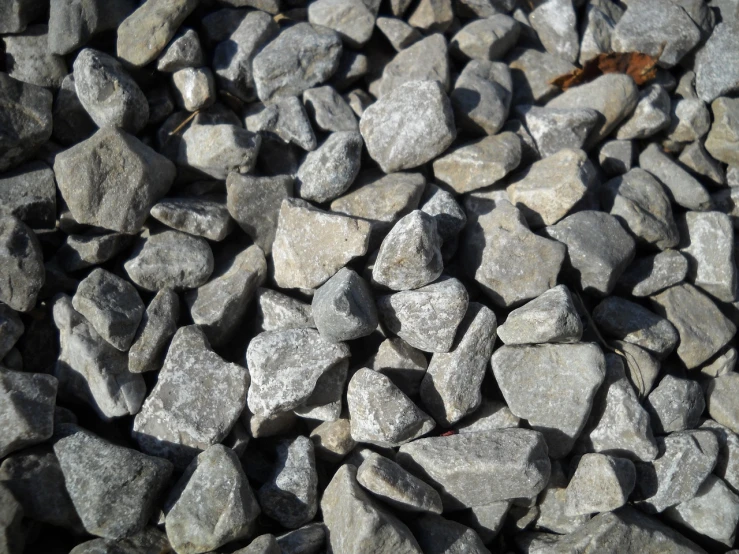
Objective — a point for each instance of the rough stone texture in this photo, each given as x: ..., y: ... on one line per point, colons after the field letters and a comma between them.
x: 112, y: 180
x: 114, y: 489
x: 217, y: 150
x: 28, y: 59
x: 486, y: 39
x: 278, y: 312
x: 551, y: 317
x: 158, y: 325
x: 409, y: 126
x: 285, y: 368
x: 651, y: 274
x: 184, y: 51
x: 554, y: 129
x: 285, y: 117
x: 722, y: 141
x: 108, y: 93
x: 616, y: 157
x: 451, y: 387
x: 675, y: 405
x: 695, y: 157
x: 555, y: 23
x: 146, y: 32
x: 690, y: 120
x: 29, y: 193
x: 343, y: 307
x: 170, y: 259
x: 482, y: 97
x: 205, y: 217
x: 329, y: 110
x: 405, y: 365
x: 479, y: 469
x: 432, y: 15
x: 380, y: 413
x: 355, y: 524
x: 16, y: 15
x: 398, y: 32
x: 194, y: 88
x: 212, y: 503
x: 553, y: 186
x: 642, y: 367
x: 299, y: 58
x: 426, y: 60
x: 721, y: 400
x: 552, y: 386
x: 727, y: 465
x: 307, y: 539
x: 148, y: 541
x: 330, y: 170
x: 438, y: 535
x: 72, y: 123
x: 21, y: 264
x: 92, y: 248
x: 681, y: 187
x: 712, y: 77
x: 532, y: 72
x: 598, y: 249
x: 312, y: 245
x: 263, y: 544
x: 196, y: 401
x: 332, y: 440
x: 351, y: 19
x: 426, y: 318
x: 596, y: 28
x: 703, y: 329
x: 652, y: 115
x: 601, y: 483
x: 11, y: 329
x: 449, y: 215
x: 511, y: 263
x: 492, y: 414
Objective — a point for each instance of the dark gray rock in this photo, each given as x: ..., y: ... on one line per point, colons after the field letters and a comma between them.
x: 727, y: 465
x: 27, y: 412
x: 601, y: 483
x: 16, y: 15
x: 149, y: 541
x: 309, y: 539
x: 263, y: 544
x: 158, y: 325
x: 486, y: 39
x: 482, y: 96
x: 437, y: 535
x: 330, y: 170
x: 202, y: 216
x: 682, y: 188
x: 11, y: 329
x: 29, y: 193
x: 690, y: 120
x: 72, y: 123
x: 343, y: 307
x: 22, y: 271
x: 72, y: 23
x: 329, y: 110
x: 28, y: 59
x: 675, y: 405
x: 449, y: 215
x: 353, y: 20
x: 184, y: 51
x: 492, y: 414
x: 405, y: 365
x: 712, y: 77
x: 648, y: 275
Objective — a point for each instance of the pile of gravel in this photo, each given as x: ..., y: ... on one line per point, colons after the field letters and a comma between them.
x: 352, y: 276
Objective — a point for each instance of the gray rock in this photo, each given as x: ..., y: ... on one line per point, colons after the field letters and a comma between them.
x: 201, y: 216
x: 72, y: 123
x: 723, y: 363
x: 148, y: 541
x: 486, y: 39
x: 597, y: 27
x: 403, y: 364
x: 486, y: 521
x: 197, y: 399
x: 449, y: 215
x: 111, y: 305
x: 27, y: 118
x: 598, y: 249
x: 727, y: 465
x: 426, y: 318
x: 329, y: 171
x: 90, y: 369
x: 622, y: 319
x: 268, y: 426
x: 343, y: 307
x: 184, y: 51
x: 332, y: 440
x: 278, y: 312
x: 325, y: 402
x: 161, y: 104
x: 16, y: 15
x: 27, y: 412
x: 218, y: 306
x: 309, y: 539
x: 396, y: 144
x: 432, y: 15
x: 555, y: 23
x: 217, y: 150
x: 12, y: 534
x: 639, y: 201
x: 212, y: 504
x: 553, y: 186
x: 353, y: 20
x: 398, y: 32
x: 721, y: 400
x: 285, y: 368
x: 648, y: 275
x: 685, y: 459
x: 91, y: 248
x: 286, y: 117
x: 532, y: 72
x: 482, y: 97
x: 675, y: 405
x: 551, y: 317
x: 114, y: 489
x: 712, y: 77
x: 491, y: 415
x: 355, y: 524
x: 426, y: 60
x: 555, y: 129
x: 29, y: 193
x: 380, y: 413
x: 170, y: 259
x: 557, y: 403
x: 359, y: 100
x: 329, y: 110
x: 158, y: 325
x: 299, y: 58
x: 646, y: 25
x: 437, y: 535
x: 616, y: 157
x: 695, y: 157
x: 690, y: 120
x: 108, y: 93
x: 22, y: 271
x: 352, y: 67
x: 290, y: 496
x: 218, y: 25
x: 312, y: 245
x: 478, y: 469
x: 601, y: 483
x: 478, y: 164
x: 194, y: 88
x: 28, y: 58
x: 146, y: 32
x: 450, y: 390
x: 703, y: 329
x: 11, y: 329
x: 682, y: 188
x: 652, y: 115
x: 723, y: 140
x: 263, y: 544
x: 112, y: 180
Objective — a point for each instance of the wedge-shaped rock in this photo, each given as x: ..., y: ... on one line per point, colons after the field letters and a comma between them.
x: 426, y: 318
x: 648, y: 275
x: 353, y: 20
x: 721, y: 398
x: 286, y: 117
x: 329, y: 110
x: 184, y: 51
x: 556, y: 129
x: 404, y: 364
x: 285, y: 367
x: 197, y: 399
x: 552, y: 386
x: 312, y: 245
x: 22, y: 273
x: 90, y: 248
x: 532, y: 72
x: 551, y: 317
x: 552, y: 502
x: 356, y: 525
x: 332, y: 440
x: 114, y: 489
x: 426, y: 60
x: 329, y: 170
x: 112, y: 180
x: 158, y: 325
x: 482, y: 97
x: 344, y: 308
x: 218, y: 149
x: 204, y: 217
x: 29, y: 193
x: 478, y: 469
x: 652, y: 115
x: 486, y: 39
x: 555, y: 22
x: 675, y: 405
x: 601, y: 483
x: 279, y: 312
x: 212, y: 503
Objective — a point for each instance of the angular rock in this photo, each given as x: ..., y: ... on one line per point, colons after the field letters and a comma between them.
x: 492, y: 414
x: 332, y: 440
x: 16, y: 15
x: 112, y: 180
x: 432, y: 15
x: 482, y: 97
x: 486, y: 39
x: 29, y: 59
x: 555, y: 23
x: 11, y: 329
x: 597, y: 27
x: 437, y: 535
x: 555, y: 129
x: 149, y: 540
x: 426, y: 60
x: 723, y: 140
x: 532, y: 72
x: 219, y: 149
x: 690, y: 120
x: 713, y: 78
x: 675, y: 405
x: 29, y: 193
x: 22, y: 271
x: 184, y: 51
x: 727, y: 465
x: 398, y: 32
x: 405, y: 365
x: 204, y: 217
x: 343, y: 307
x: 329, y: 110
x: 279, y: 312
x: 449, y: 215
x: 72, y: 123
x: 194, y: 88
x: 263, y: 544
x: 721, y: 400
x: 197, y: 399
x: 681, y: 187
x: 695, y: 157
x: 158, y: 325
x: 722, y: 364
x: 353, y: 20
x: 285, y: 117
x: 309, y: 538
x: 601, y: 483
x: 329, y: 171
x: 651, y: 115
x: 648, y: 275
x: 616, y: 157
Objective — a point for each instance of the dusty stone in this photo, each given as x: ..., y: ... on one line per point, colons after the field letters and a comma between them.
x: 601, y: 483
x: 217, y: 150
x: 71, y: 122
x: 695, y: 157
x: 449, y: 215
x: 29, y: 59
x: 727, y: 465
x: 721, y: 400
x: 158, y: 325
x: 398, y: 32
x: 148, y: 540
x: 351, y: 19
x: 205, y: 217
x: 651, y: 115
x: 712, y: 77
x: 22, y: 271
x: 675, y: 405
x: 29, y: 193
x: 492, y: 414
x: 482, y: 97
x: 642, y: 367
x: 555, y: 23
x: 278, y: 312
x: 194, y: 88
x: 532, y: 72
x: 309, y: 538
x: 332, y: 440
x: 184, y: 51
x: 17, y: 14
x: 722, y: 141
x: 681, y: 187
x: 91, y: 248
x: 404, y: 364
x: 343, y: 307
x: 486, y: 39
x: 690, y: 120
x: 286, y: 117
x: 648, y: 275
x: 426, y: 60
x: 330, y: 170
x: 329, y: 110
x: 555, y: 129
x: 597, y: 27
x: 432, y: 15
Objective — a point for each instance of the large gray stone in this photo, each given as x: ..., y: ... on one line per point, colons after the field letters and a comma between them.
x: 329, y: 110
x: 29, y: 193
x: 722, y: 141
x: 651, y: 115
x: 682, y: 188
x: 721, y: 400
x: 352, y: 19
x: 648, y: 275
x: 713, y: 78
x: 158, y: 325
x: 482, y: 96
x: 329, y: 170
x: 675, y: 405
x: 218, y: 149
x: 555, y: 24
x: 438, y: 535
x: 601, y: 483
x: 426, y: 60
x: 555, y: 129
x: 28, y: 58
x: 22, y: 271
x: 486, y: 39
x: 343, y: 307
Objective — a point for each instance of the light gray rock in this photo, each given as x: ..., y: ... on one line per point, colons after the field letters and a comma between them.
x: 397, y: 137
x: 695, y: 157
x: 555, y: 129
x: 703, y: 329
x: 194, y: 88
x: 486, y: 521
x: 426, y: 60
x: 184, y: 51
x: 723, y: 363
x: 279, y: 312
x: 22, y: 271
x: 353, y: 20
x: 553, y: 186
x: 329, y: 171
x: 675, y: 405
x: 426, y: 318
x: 147, y: 541
x: 343, y: 307
x: 722, y: 141
x: 449, y: 215
x: 438, y: 535
x: 332, y: 440
x: 114, y: 489
x: 29, y: 193
x: 398, y: 32
x: 601, y: 483
x: 486, y: 39
x: 212, y: 504
x: 552, y: 386
x: 108, y: 92
x: 197, y: 399
x: 217, y: 150
x: 145, y: 33
x: 648, y: 275
x: 359, y: 100
x: 285, y: 367
x: 285, y: 117
x: 712, y: 77
x: 158, y: 325
x: 431, y: 16
x: 482, y: 97
x: 11, y: 329
x: 329, y: 110
x: 478, y: 164
x: 555, y: 23
x: 721, y: 400
x: 112, y: 180
x: 652, y: 115
x: 491, y: 415
x: 169, y: 259
x: 450, y: 390
x: 596, y: 28
x: 690, y: 120
x: 681, y: 187
x: 478, y: 469
x: 727, y: 465
x: 403, y: 364
x: 28, y: 58
x: 201, y: 216
x: 218, y: 306
x: 532, y: 72
x: 355, y: 524
x: 642, y: 367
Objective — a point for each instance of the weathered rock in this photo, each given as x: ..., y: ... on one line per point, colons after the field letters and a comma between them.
x: 690, y: 120
x: 11, y: 329
x: 329, y: 110
x: 219, y: 149
x: 695, y: 157
x: 149, y: 541
x: 263, y: 544
x: 675, y: 405
x: 205, y: 217
x: 727, y: 465
x: 651, y: 115
x: 426, y: 60
x: 405, y: 365
x: 555, y: 23
x: 492, y: 414
x: 278, y: 312
x: 16, y: 15
x: 307, y: 539
x: 486, y: 39
x: 194, y: 88
x: 343, y: 307
x: 532, y: 72
x: 681, y: 187
x: 449, y: 215
x: 712, y: 77
x: 29, y: 193
x: 72, y: 123
x: 329, y: 171
x: 28, y: 58
x: 112, y: 180
x: 438, y: 535
x: 285, y: 117
x: 616, y: 157
x: 158, y: 325
x: 555, y: 129
x: 197, y: 399
x: 722, y: 364
x: 650, y: 274
x: 351, y: 19
x: 22, y: 271
x: 597, y: 27
x: 723, y: 140
x: 184, y: 51
x: 398, y: 32
x: 601, y: 483
x: 432, y: 15
x: 332, y: 440
x: 642, y: 367
x: 482, y: 97
x: 12, y: 536
x: 721, y: 400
